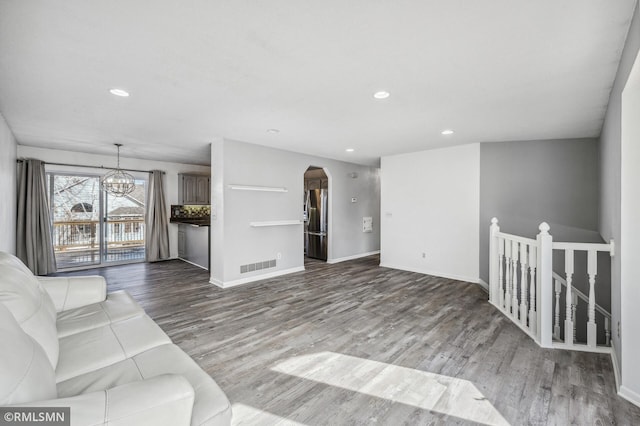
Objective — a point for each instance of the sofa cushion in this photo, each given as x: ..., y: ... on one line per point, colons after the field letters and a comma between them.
x: 29, y: 303
x: 211, y: 405
x: 74, y: 292
x: 118, y: 306
x: 25, y: 371
x: 102, y: 346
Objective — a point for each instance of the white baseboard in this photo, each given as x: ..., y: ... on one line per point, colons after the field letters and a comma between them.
x: 355, y: 256
x: 483, y: 284
x: 473, y: 280
x: 629, y: 395
x: 623, y: 391
x: 616, y: 367
x: 253, y: 278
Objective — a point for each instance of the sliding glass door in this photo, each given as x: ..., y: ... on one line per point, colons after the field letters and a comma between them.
x: 91, y: 227
x: 124, y: 225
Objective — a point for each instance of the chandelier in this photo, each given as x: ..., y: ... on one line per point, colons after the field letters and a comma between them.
x: 117, y: 182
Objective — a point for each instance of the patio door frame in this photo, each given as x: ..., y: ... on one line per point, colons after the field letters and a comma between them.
x: 102, y: 222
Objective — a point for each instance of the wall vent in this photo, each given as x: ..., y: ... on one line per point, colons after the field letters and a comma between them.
x: 251, y: 267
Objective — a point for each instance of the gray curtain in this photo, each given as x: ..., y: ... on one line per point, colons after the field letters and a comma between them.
x: 34, y: 244
x: 157, y: 223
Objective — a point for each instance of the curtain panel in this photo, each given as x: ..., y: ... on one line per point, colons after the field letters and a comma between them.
x: 34, y: 244
x: 156, y: 221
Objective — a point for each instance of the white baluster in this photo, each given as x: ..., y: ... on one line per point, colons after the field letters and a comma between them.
x: 494, y: 260
x: 500, y: 272
x: 523, y: 284
x: 514, y: 269
x: 574, y: 310
x: 568, y: 319
x: 607, y: 331
x: 532, y: 288
x: 592, y: 270
x: 507, y: 291
x: 556, y: 316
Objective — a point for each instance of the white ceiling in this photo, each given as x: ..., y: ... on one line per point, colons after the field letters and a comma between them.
x: 492, y: 70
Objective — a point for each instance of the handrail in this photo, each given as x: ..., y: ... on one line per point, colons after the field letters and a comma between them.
x: 581, y: 295
x: 516, y: 238
x: 606, y: 247
x: 521, y: 286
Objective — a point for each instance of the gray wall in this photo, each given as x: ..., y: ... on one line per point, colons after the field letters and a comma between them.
x: 610, y: 163
x: 235, y: 243
x: 526, y: 183
x: 8, y: 207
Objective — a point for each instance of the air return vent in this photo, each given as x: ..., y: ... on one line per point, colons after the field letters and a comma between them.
x: 251, y: 267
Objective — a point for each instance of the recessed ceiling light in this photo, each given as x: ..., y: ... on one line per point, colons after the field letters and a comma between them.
x: 381, y: 95
x: 273, y: 131
x: 119, y: 92
x: 349, y: 149
x: 447, y: 132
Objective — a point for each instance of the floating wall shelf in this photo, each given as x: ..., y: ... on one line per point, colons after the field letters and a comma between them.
x: 275, y: 223
x: 258, y: 188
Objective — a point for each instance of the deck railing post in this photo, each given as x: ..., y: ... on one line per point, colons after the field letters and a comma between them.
x: 494, y: 260
x: 545, y: 286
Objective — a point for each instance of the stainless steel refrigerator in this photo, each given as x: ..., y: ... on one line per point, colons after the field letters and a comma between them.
x: 315, y: 225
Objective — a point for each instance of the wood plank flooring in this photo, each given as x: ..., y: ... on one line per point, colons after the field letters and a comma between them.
x: 354, y: 343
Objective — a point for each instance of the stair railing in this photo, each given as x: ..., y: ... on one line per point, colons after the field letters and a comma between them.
x: 521, y: 285
x: 575, y: 296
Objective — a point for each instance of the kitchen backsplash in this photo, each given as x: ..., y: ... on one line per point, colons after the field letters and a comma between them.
x: 190, y: 211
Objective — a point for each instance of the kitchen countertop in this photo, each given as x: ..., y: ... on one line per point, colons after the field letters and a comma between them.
x: 191, y: 221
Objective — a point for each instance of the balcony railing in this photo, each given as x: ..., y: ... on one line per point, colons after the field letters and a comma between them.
x: 78, y: 242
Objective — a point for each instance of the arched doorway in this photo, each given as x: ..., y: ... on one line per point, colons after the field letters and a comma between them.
x: 316, y: 213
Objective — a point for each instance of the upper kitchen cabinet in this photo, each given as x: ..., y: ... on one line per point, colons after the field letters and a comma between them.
x: 194, y: 189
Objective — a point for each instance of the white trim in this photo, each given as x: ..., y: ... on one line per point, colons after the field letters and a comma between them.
x: 194, y: 264
x: 623, y: 391
x: 473, y: 280
x: 517, y: 323
x: 352, y: 257
x: 483, y: 284
x: 563, y: 346
x: 581, y: 347
x: 616, y: 367
x: 629, y: 395
x: 258, y: 188
x: 275, y: 223
x: 260, y: 277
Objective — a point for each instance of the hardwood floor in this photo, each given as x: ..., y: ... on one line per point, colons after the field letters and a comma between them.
x: 353, y: 343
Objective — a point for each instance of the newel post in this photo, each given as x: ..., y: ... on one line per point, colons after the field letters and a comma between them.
x: 493, y: 261
x: 544, y: 286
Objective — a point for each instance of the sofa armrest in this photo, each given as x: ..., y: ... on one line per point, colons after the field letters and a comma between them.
x: 162, y: 400
x: 74, y: 292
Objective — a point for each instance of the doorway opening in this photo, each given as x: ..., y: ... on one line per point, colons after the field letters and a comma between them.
x: 91, y: 227
x: 316, y: 213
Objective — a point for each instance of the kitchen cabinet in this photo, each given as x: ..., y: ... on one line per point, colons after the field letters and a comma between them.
x: 181, y: 241
x: 195, y: 244
x: 194, y: 189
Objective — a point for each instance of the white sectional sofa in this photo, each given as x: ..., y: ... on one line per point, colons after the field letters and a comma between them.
x: 66, y: 343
